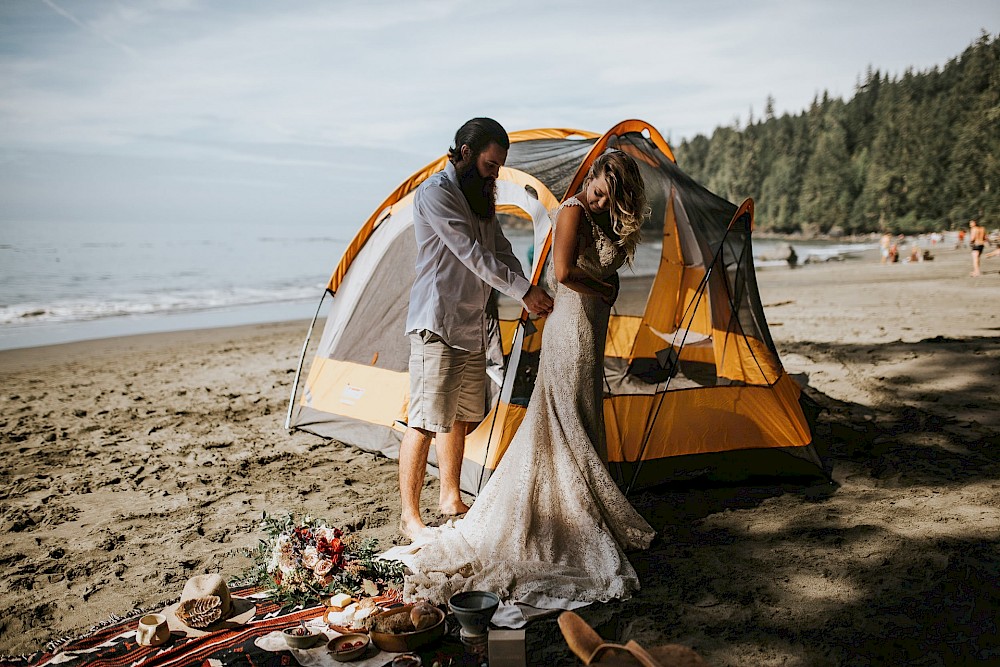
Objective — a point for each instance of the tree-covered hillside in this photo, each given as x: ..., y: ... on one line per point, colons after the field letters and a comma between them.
x: 910, y: 154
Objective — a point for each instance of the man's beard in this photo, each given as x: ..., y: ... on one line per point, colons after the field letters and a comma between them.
x: 481, y: 193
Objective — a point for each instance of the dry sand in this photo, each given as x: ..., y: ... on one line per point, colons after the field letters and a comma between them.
x: 130, y: 464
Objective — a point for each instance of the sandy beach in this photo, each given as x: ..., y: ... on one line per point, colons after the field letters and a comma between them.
x: 130, y: 464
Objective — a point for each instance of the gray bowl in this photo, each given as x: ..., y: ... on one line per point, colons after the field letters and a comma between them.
x: 301, y: 641
x: 473, y: 610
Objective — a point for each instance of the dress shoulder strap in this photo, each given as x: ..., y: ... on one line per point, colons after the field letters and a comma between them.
x: 573, y: 201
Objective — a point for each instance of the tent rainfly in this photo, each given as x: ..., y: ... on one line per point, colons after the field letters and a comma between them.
x: 693, y: 383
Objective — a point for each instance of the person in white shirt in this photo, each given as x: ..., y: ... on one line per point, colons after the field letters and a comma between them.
x: 462, y: 255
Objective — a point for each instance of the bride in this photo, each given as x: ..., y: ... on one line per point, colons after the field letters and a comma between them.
x: 550, y: 528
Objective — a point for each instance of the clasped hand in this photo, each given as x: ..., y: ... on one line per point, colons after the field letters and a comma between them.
x: 537, y: 301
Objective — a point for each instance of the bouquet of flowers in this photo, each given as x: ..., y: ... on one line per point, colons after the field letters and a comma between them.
x: 303, y: 560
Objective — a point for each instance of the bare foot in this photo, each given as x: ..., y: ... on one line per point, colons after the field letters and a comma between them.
x: 410, y: 529
x: 454, y: 509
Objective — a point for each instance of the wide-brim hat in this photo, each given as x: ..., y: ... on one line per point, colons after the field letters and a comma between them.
x: 209, y: 594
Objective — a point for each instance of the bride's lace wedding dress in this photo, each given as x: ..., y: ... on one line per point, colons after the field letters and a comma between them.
x: 551, y: 526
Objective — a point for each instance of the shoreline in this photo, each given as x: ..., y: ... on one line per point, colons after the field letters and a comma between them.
x: 27, y: 333
x: 14, y: 338
x: 132, y: 463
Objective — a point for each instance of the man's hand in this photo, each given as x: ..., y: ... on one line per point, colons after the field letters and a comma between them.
x: 537, y: 301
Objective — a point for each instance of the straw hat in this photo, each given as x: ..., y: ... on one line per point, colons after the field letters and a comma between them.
x: 206, y: 606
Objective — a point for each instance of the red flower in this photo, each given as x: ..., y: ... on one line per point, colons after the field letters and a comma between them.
x: 332, y: 549
x: 303, y: 534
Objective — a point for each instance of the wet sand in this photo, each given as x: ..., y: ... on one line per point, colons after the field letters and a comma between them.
x: 132, y: 463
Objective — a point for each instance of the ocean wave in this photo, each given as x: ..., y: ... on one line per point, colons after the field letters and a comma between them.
x: 305, y: 240
x: 84, y: 309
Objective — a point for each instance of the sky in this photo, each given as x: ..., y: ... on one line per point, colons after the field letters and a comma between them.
x: 311, y: 112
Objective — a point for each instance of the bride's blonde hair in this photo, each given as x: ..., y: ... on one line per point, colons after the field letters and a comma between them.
x: 627, y: 193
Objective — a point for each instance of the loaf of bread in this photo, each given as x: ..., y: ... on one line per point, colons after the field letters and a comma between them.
x: 393, y: 624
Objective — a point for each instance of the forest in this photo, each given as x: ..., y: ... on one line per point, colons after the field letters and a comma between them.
x: 915, y: 153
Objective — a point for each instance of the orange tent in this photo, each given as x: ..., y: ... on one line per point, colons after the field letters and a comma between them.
x: 690, y: 368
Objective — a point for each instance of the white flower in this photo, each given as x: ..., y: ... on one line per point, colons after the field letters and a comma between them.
x: 310, y: 557
x: 287, y: 561
x: 326, y: 533
x: 276, y: 550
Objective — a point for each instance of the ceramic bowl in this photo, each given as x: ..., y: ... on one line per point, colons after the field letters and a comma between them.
x: 345, y: 647
x: 295, y: 639
x: 404, y: 642
x: 473, y: 610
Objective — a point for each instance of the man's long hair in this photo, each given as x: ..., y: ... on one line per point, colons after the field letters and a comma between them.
x: 477, y: 134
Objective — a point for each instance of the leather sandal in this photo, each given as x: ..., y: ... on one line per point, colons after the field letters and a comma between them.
x: 633, y: 649
x: 580, y: 637
x: 591, y: 649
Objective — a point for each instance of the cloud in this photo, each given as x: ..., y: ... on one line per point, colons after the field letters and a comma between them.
x: 288, y: 86
x: 89, y: 28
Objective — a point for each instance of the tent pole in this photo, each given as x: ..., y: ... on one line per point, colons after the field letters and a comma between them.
x: 700, y: 293
x: 302, y: 358
x: 496, y: 410
x: 675, y: 363
x: 620, y: 478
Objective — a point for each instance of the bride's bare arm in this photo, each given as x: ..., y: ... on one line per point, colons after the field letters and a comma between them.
x: 566, y: 249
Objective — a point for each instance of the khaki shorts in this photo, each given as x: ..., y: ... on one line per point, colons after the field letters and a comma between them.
x: 446, y: 384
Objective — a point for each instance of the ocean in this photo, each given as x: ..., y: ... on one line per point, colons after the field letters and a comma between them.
x: 64, y: 282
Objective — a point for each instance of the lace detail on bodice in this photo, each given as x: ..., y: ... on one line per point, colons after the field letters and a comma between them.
x: 601, y: 256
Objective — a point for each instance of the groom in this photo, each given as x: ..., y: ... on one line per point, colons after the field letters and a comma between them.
x: 462, y: 255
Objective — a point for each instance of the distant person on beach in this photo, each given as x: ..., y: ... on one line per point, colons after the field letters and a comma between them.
x: 461, y: 254
x: 977, y: 241
x: 792, y: 258
x: 885, y: 244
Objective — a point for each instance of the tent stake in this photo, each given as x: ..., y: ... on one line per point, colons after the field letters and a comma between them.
x: 302, y: 358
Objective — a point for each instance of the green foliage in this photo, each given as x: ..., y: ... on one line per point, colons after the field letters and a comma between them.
x: 914, y: 154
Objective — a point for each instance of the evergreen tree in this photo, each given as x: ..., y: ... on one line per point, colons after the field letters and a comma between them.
x: 827, y: 182
x: 913, y: 154
x: 972, y: 184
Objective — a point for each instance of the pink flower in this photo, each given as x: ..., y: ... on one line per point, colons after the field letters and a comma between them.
x: 322, y: 568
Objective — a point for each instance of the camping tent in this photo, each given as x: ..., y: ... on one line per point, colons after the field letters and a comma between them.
x: 690, y: 368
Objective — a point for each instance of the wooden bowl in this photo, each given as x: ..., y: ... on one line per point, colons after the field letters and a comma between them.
x: 405, y: 642
x: 344, y: 654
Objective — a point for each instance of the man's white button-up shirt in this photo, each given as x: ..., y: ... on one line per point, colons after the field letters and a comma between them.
x: 460, y: 258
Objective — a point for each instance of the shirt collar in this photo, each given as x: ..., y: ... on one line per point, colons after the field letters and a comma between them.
x: 450, y: 171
